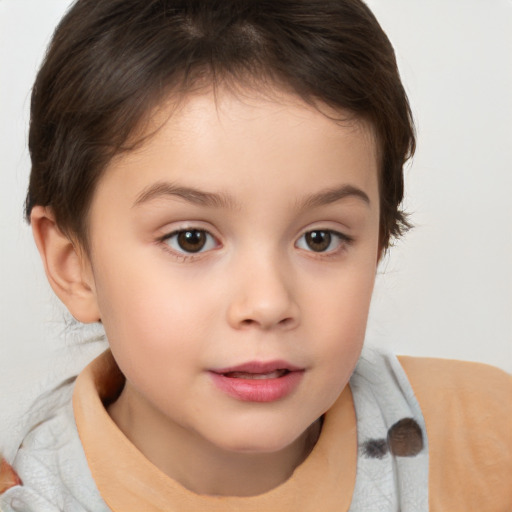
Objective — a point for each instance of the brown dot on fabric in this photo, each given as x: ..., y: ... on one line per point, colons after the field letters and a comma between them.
x: 375, y: 448
x: 405, y: 438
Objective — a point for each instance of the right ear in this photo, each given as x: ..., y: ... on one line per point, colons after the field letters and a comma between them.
x: 67, y: 267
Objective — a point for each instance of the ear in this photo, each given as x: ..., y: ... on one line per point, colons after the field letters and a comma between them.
x: 67, y: 267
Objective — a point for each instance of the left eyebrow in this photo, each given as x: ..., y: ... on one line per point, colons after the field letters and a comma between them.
x: 331, y: 195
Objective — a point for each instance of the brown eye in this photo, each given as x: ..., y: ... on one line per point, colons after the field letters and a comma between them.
x: 190, y: 241
x: 325, y: 241
x: 318, y: 241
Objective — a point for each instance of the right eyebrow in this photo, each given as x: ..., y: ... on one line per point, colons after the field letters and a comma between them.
x: 189, y: 194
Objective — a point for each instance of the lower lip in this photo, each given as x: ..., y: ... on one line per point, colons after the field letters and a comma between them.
x: 258, y: 390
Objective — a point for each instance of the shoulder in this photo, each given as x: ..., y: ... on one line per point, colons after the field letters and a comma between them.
x: 462, y: 393
x: 461, y: 375
x: 467, y: 409
x: 49, y: 471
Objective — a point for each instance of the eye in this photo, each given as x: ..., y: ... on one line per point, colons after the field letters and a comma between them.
x: 322, y: 240
x: 190, y: 241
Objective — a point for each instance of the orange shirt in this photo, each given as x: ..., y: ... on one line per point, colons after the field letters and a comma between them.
x: 468, y: 414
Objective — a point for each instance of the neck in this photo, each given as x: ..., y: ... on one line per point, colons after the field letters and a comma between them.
x: 199, y: 465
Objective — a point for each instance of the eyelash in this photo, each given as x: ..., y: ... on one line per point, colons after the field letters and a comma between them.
x: 342, y: 242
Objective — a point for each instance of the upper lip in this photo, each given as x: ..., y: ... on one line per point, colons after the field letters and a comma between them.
x: 259, y: 367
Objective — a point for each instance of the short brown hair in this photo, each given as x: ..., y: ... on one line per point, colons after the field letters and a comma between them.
x: 111, y: 62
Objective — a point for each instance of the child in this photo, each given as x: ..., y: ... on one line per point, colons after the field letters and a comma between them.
x: 215, y: 182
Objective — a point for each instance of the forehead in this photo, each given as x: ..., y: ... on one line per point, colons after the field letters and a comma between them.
x: 246, y: 107
x: 219, y: 139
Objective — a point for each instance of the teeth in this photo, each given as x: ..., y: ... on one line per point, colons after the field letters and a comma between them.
x: 244, y: 375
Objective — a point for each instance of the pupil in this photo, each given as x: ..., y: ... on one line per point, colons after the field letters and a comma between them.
x: 192, y: 241
x: 318, y: 241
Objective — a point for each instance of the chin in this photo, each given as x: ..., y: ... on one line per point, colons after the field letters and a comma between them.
x: 257, y: 442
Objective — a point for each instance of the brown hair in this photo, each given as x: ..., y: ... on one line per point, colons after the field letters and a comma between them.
x: 111, y: 62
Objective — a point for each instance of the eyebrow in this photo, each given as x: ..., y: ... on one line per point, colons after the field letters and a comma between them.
x: 332, y: 195
x: 215, y: 200
x: 192, y: 195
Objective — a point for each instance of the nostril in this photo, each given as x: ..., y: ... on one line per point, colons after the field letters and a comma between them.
x: 248, y: 322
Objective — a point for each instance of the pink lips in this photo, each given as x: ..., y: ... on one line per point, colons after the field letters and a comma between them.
x: 258, y: 381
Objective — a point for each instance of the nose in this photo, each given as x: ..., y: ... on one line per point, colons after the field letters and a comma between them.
x: 263, y: 297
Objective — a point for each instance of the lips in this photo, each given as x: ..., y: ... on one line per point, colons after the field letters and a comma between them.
x: 259, y: 367
x: 258, y: 381
x: 247, y: 375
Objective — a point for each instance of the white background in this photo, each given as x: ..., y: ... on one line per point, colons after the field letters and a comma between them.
x: 445, y: 291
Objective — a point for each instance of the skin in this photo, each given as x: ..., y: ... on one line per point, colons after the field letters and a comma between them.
x: 256, y: 291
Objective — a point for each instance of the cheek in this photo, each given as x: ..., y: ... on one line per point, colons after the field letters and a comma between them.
x: 141, y: 291
x: 155, y: 339
x: 338, y: 317
x: 342, y: 300
x: 154, y: 317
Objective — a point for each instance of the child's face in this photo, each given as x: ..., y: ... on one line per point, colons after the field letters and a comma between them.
x: 244, y: 232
